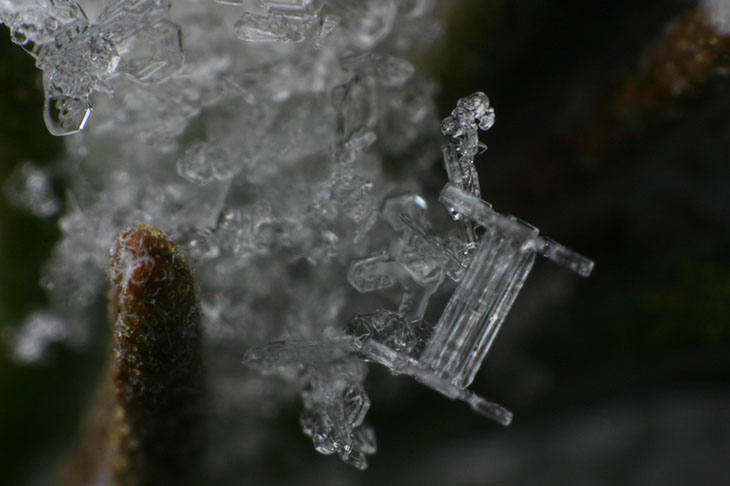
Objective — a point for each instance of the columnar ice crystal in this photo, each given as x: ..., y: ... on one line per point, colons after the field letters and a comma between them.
x: 490, y: 272
x: 262, y: 155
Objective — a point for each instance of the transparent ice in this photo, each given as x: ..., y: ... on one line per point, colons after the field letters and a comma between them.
x: 78, y: 57
x: 262, y: 150
x: 497, y: 266
x: 418, y: 260
x: 335, y: 402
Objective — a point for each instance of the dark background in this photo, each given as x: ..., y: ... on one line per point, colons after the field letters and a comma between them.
x: 621, y: 378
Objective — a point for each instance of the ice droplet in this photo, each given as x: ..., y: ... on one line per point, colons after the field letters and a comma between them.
x: 66, y: 115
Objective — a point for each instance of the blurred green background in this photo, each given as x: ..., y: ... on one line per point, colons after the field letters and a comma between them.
x: 623, y: 378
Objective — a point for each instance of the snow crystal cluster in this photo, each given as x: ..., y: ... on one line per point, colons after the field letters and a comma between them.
x: 282, y: 144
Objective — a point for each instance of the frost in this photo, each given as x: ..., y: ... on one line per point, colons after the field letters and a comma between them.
x: 264, y: 153
x: 202, y: 163
x: 523, y: 234
x: 386, y: 70
x: 471, y: 114
x: 418, y: 259
x: 78, y: 57
x: 294, y: 8
x: 282, y: 21
x: 278, y: 28
x: 335, y: 402
x: 30, y: 188
x: 451, y: 353
x: 31, y: 340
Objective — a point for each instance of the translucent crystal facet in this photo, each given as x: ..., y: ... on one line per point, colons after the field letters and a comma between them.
x: 202, y: 163
x: 155, y: 53
x: 482, y: 213
x: 294, y: 8
x: 267, y: 28
x: 475, y: 312
x: 418, y: 259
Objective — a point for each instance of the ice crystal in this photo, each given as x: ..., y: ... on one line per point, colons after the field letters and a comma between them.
x: 418, y: 260
x: 452, y: 352
x: 202, y: 163
x: 261, y: 151
x: 335, y: 402
x: 78, y: 57
x: 282, y: 21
